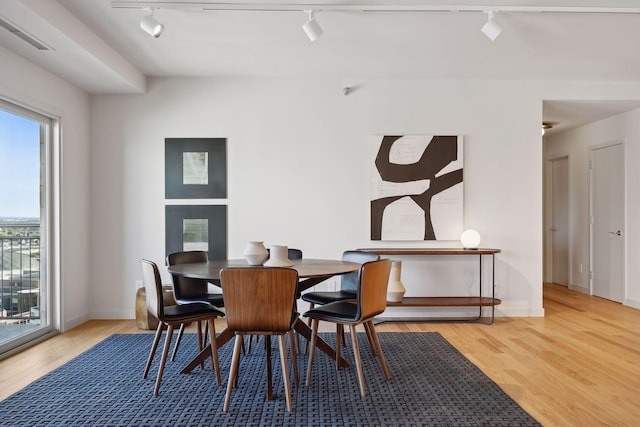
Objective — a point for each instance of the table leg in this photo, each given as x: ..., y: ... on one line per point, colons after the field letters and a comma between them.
x: 303, y: 329
x: 224, y: 337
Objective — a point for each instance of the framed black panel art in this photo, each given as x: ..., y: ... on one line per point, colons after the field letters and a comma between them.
x: 196, y: 227
x: 195, y: 168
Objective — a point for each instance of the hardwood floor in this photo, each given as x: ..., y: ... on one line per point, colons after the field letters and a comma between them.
x: 577, y: 366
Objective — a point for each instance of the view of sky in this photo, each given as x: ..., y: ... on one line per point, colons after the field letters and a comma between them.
x: 19, y: 166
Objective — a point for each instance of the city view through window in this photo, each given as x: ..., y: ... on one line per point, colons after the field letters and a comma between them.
x: 20, y: 186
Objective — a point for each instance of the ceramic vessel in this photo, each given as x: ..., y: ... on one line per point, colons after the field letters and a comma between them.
x: 395, y: 288
x: 255, y: 253
x: 279, y: 257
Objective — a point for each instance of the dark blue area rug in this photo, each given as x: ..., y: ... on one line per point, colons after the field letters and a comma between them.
x: 432, y: 385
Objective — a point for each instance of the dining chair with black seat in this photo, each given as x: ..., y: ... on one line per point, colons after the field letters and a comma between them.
x: 261, y: 301
x: 188, y: 290
x: 172, y: 315
x: 348, y: 282
x: 370, y: 300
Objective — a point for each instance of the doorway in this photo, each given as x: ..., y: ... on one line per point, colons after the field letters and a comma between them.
x: 25, y: 204
x: 560, y: 221
x: 607, y: 221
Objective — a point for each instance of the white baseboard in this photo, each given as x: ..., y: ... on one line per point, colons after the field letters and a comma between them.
x: 579, y: 288
x: 72, y: 323
x: 632, y: 303
x: 112, y: 314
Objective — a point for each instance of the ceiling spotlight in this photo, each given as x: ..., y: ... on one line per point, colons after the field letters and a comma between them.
x: 491, y: 29
x: 151, y: 26
x: 312, y: 28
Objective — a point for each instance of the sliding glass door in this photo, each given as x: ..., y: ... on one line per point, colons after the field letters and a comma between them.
x: 25, y: 302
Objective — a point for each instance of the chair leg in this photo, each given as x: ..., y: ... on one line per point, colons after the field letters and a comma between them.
x: 285, y: 370
x: 235, y: 361
x: 339, y: 339
x: 204, y: 336
x: 154, y: 347
x: 356, y: 356
x: 215, y: 364
x: 367, y: 329
x: 200, y: 347
x: 250, y: 342
x: 344, y: 339
x: 297, y: 338
x: 378, y: 351
x: 294, y: 356
x: 267, y: 347
x: 178, y: 341
x: 312, y: 351
x: 306, y: 346
x: 165, y: 353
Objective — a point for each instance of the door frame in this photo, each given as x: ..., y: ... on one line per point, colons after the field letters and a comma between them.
x: 592, y: 148
x: 51, y: 177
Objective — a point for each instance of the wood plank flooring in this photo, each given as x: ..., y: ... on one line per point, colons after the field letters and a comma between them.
x: 577, y: 366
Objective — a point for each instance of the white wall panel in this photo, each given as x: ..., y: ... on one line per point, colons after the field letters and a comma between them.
x: 298, y: 171
x: 31, y: 86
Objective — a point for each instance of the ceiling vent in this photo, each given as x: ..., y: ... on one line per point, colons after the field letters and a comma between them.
x: 21, y: 34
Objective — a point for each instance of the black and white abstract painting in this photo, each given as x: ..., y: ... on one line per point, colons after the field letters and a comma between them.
x: 416, y: 187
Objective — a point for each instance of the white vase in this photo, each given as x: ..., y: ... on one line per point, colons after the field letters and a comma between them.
x: 255, y: 253
x: 395, y: 288
x: 278, y: 257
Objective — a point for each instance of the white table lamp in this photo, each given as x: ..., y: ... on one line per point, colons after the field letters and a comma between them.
x: 470, y: 239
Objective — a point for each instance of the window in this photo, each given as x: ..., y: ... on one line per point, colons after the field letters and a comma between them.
x: 25, y: 250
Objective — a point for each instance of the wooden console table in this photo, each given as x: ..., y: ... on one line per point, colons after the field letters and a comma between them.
x: 449, y: 301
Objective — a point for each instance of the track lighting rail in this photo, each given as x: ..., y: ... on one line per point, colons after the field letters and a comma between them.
x: 319, y: 7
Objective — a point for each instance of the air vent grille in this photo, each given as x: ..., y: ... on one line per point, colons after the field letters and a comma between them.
x: 23, y: 35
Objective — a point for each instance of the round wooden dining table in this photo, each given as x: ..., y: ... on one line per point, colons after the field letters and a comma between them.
x: 310, y: 272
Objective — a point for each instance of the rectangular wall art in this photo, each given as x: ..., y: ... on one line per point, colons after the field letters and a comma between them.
x: 416, y: 187
x: 195, y: 168
x: 196, y: 227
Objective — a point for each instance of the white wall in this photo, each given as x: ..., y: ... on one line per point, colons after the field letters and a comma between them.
x: 23, y: 83
x: 298, y: 172
x: 577, y: 144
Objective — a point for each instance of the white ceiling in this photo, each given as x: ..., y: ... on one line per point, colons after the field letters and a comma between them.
x: 103, y: 50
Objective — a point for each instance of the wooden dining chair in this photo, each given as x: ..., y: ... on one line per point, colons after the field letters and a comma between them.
x: 371, y: 300
x: 187, y: 290
x: 292, y: 253
x: 261, y: 301
x: 173, y: 315
x: 348, y: 284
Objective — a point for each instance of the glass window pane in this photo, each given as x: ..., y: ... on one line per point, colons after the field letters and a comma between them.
x: 23, y: 287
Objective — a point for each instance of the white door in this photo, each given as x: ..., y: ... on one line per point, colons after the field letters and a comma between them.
x: 560, y: 220
x: 607, y: 222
